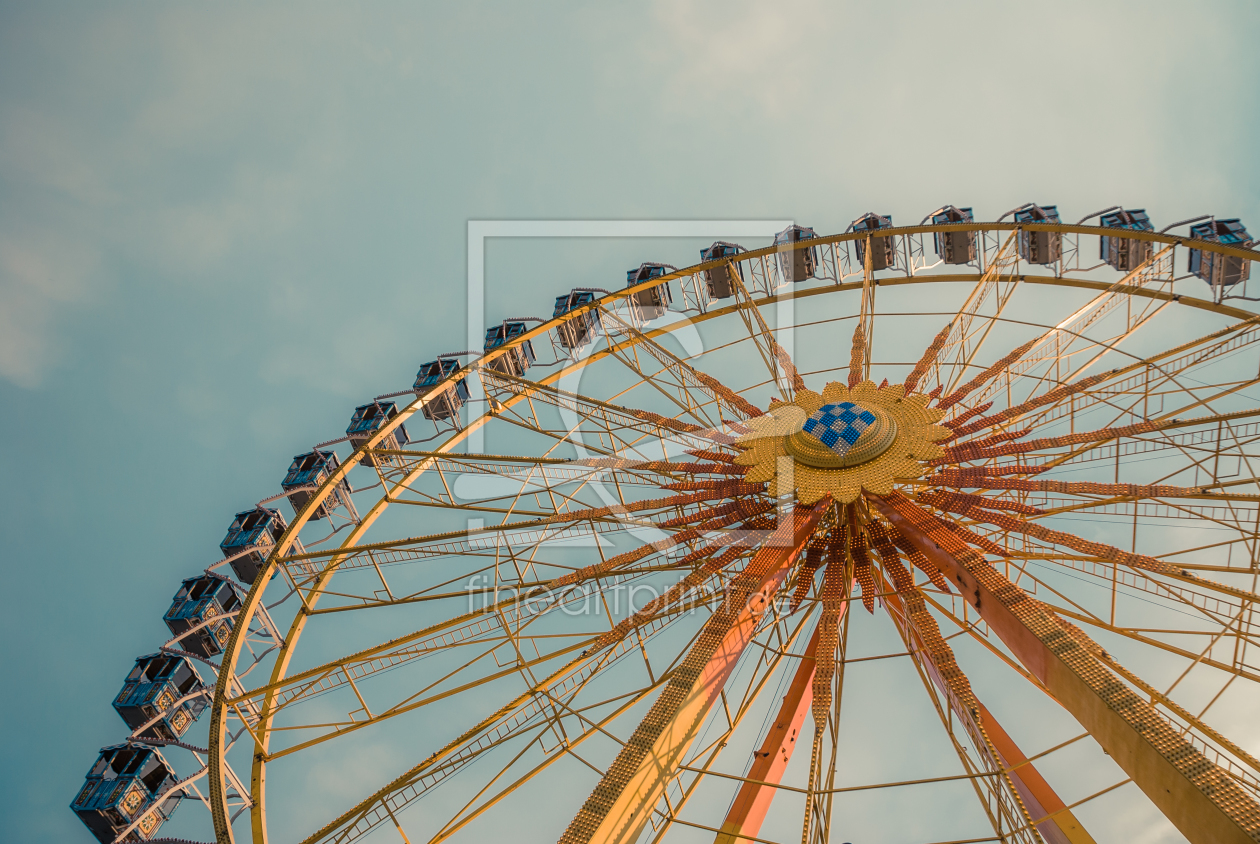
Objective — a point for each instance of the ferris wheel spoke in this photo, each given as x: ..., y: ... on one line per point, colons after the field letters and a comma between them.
x: 1223, y: 512
x: 1209, y: 607
x: 1215, y: 604
x: 1115, y: 491
x: 864, y: 331
x: 1005, y: 418
x: 525, y: 713
x: 1098, y: 550
x: 610, y: 419
x: 513, y: 613
x: 675, y: 390
x: 694, y: 529
x: 573, y: 738
x: 963, y: 342
x: 733, y: 487
x: 1207, y: 802
x: 492, y: 542
x: 1169, y: 419
x: 1003, y: 445
x: 1226, y: 619
x: 1000, y: 790
x: 1048, y: 810
x: 972, y: 629
x: 1144, y: 501
x: 552, y: 470
x: 1099, y: 623
x: 1240, y: 435
x: 528, y: 534
x: 513, y: 490
x: 1191, y: 445
x: 1251, y: 777
x: 677, y: 380
x: 1060, y: 343
x: 1138, y: 381
x: 827, y: 684
x: 763, y: 776
x: 538, y: 711
x: 499, y: 478
x: 668, y: 810
x: 650, y: 759
x: 1247, y: 541
x: 1241, y: 766
x: 522, y: 613
x: 427, y: 695
x: 776, y: 359
x: 595, y: 652
x: 984, y: 377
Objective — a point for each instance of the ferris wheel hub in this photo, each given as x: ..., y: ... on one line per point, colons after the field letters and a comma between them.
x: 842, y: 441
x: 840, y: 435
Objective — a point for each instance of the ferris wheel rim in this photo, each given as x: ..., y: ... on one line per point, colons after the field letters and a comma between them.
x: 218, y: 806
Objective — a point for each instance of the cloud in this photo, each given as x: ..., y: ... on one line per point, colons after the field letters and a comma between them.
x: 203, y: 138
x: 39, y: 271
x: 735, y: 52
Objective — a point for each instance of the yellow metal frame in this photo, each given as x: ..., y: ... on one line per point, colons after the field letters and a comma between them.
x: 220, y: 706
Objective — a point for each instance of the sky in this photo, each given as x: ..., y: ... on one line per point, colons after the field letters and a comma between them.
x: 221, y: 227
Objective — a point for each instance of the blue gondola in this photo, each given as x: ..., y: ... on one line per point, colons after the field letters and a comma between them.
x: 797, y: 264
x: 368, y: 419
x: 1216, y: 269
x: 580, y: 330
x: 1039, y: 247
x: 1125, y: 253
x: 159, y: 687
x: 252, y: 534
x: 306, y: 473
x: 126, y: 781
x: 447, y: 404
x: 653, y: 302
x: 198, y: 607
x: 721, y: 279
x: 883, y: 249
x: 518, y: 358
x: 954, y: 247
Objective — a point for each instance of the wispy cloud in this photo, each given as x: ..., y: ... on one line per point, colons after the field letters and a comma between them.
x: 39, y: 272
x: 223, y: 147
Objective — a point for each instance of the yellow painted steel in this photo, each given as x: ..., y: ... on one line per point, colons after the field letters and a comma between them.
x: 232, y: 651
x: 1197, y: 797
x: 620, y: 806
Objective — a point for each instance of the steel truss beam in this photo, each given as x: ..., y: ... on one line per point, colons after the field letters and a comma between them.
x: 934, y: 658
x: 1198, y: 797
x: 683, y: 381
x: 777, y: 361
x: 621, y: 804
x: 999, y: 281
x: 748, y: 812
x: 1051, y: 345
x: 517, y: 715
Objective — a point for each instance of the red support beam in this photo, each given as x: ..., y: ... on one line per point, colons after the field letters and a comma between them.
x: 747, y: 813
x: 1054, y: 820
x: 1196, y: 796
x: 622, y: 802
x: 908, y: 610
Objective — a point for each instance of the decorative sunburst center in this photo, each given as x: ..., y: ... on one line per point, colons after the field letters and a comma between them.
x: 841, y: 442
x: 840, y: 435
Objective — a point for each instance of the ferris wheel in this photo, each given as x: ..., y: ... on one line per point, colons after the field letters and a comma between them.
x: 609, y: 578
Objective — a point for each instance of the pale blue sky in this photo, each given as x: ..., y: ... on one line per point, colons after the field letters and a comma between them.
x: 221, y: 227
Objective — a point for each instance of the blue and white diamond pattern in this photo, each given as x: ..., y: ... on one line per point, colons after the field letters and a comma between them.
x: 838, y: 426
